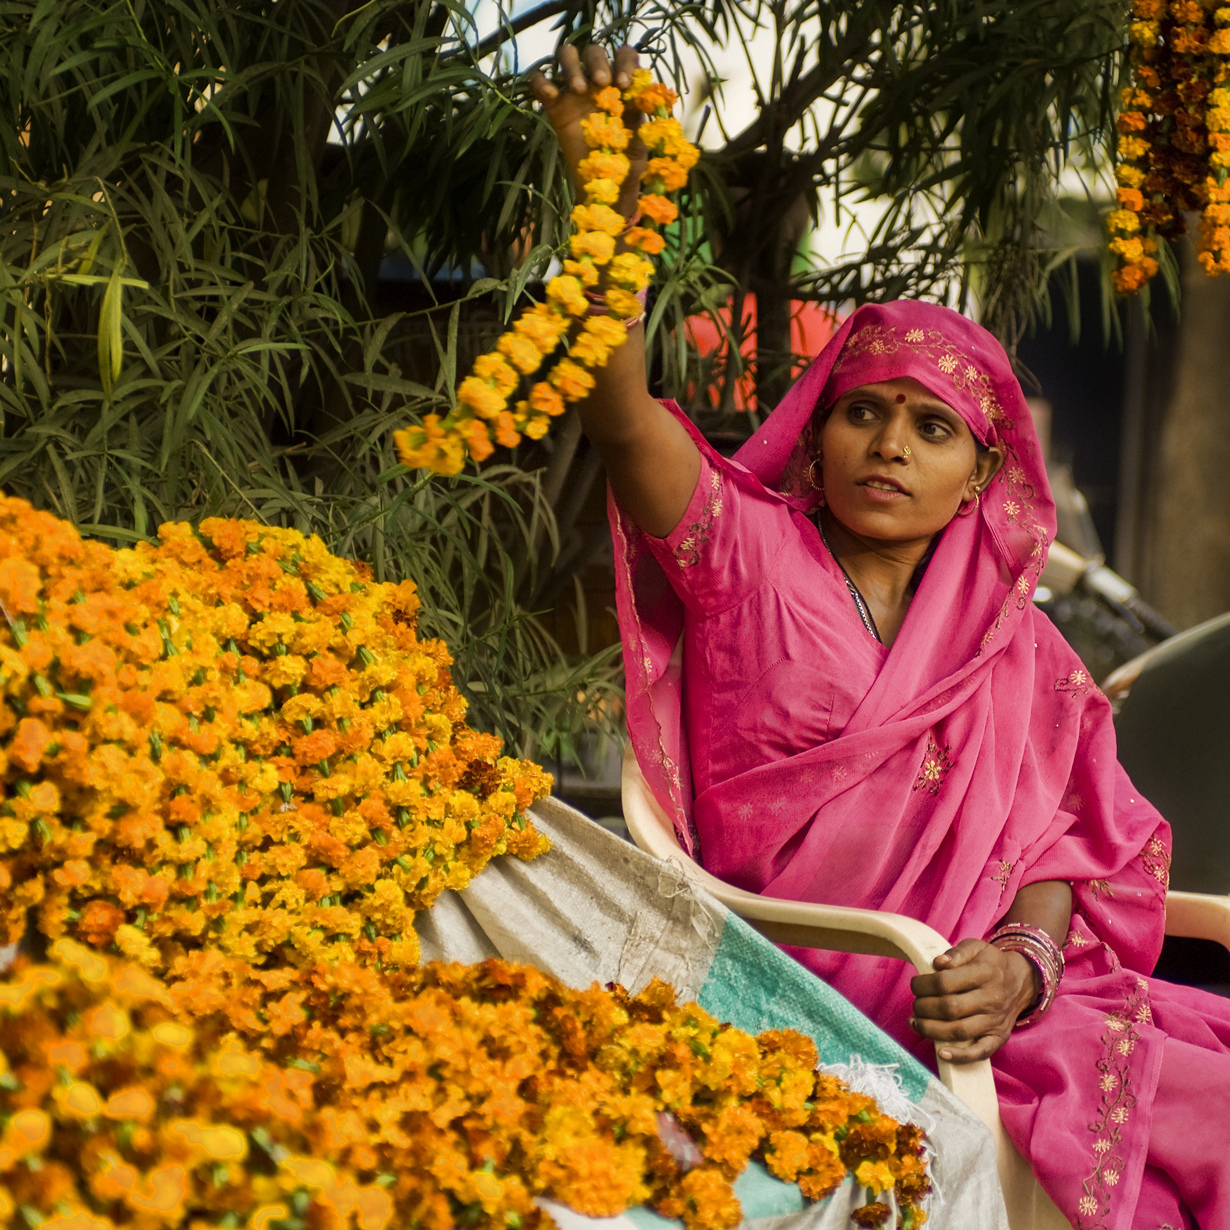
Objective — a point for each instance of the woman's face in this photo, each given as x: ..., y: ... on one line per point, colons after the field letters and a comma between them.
x: 898, y: 463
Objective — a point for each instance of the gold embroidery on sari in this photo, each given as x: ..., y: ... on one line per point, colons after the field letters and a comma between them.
x: 1077, y: 683
x: 936, y: 766
x: 1114, y: 1109
x: 1003, y: 875
x: 687, y: 553
x: 1156, y: 861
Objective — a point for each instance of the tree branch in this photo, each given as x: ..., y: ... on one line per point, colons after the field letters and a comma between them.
x: 494, y: 41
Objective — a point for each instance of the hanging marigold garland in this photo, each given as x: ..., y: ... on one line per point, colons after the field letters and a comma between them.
x: 1174, y: 138
x: 232, y: 774
x: 598, y: 287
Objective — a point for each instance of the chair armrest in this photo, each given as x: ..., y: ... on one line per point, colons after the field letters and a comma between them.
x: 1198, y: 916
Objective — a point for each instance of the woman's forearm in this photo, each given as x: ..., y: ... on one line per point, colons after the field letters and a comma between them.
x: 1046, y: 904
x: 650, y: 459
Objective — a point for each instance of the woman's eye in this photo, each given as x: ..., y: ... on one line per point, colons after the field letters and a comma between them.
x: 860, y: 412
x: 934, y: 430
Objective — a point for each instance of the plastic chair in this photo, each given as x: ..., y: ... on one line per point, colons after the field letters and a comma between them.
x: 840, y: 929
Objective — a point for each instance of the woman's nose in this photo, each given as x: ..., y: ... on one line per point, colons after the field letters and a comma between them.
x: 891, y: 444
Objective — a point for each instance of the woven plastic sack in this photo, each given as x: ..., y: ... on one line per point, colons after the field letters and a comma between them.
x: 597, y: 909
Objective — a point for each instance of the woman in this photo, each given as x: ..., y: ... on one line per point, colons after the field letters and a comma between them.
x: 839, y: 684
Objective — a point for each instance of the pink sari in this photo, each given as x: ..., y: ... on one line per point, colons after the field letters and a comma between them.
x: 802, y: 759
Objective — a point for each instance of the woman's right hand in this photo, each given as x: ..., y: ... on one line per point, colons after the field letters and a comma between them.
x: 567, y: 102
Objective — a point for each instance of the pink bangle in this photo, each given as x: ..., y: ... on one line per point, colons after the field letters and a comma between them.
x: 1042, y: 953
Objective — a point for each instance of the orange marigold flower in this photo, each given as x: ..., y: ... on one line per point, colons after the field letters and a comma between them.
x: 572, y: 380
x: 609, y: 100
x: 99, y: 921
x: 645, y: 240
x: 546, y: 400
x: 658, y: 209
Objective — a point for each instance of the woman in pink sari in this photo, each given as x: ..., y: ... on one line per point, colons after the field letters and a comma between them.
x: 840, y: 687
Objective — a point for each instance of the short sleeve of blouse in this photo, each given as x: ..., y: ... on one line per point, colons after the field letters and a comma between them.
x: 725, y: 542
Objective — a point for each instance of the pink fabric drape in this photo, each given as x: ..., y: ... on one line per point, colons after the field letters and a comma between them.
x: 803, y: 760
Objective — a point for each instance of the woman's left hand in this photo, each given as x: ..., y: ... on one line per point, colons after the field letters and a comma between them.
x: 972, y: 1001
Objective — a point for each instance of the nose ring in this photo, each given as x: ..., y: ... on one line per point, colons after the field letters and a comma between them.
x: 905, y: 452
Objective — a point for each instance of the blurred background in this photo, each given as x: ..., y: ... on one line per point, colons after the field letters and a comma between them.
x: 242, y: 241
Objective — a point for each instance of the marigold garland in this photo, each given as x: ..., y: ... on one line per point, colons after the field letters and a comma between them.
x: 235, y: 772
x: 1174, y: 137
x: 481, y: 417
x: 448, y: 1095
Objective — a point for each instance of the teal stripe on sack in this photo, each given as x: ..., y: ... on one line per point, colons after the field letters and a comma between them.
x: 756, y: 986
x: 760, y: 1194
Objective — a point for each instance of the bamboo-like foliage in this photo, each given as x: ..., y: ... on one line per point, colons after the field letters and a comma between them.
x: 185, y: 328
x: 197, y: 196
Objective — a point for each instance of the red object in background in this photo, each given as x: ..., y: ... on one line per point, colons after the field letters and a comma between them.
x: 811, y: 326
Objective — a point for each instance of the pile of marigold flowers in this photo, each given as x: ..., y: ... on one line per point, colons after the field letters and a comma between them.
x: 442, y: 1096
x: 1174, y: 137
x: 608, y: 307
x: 232, y: 775
x: 232, y: 738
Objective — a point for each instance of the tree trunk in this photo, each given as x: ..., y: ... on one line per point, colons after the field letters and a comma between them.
x: 1185, y: 571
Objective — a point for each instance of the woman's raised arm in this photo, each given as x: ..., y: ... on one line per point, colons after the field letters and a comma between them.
x: 650, y: 459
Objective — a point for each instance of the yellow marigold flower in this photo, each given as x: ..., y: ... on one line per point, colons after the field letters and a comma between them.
x: 1132, y: 147
x: 1124, y: 221
x: 78, y: 1100
x: 629, y: 271
x: 1144, y: 33
x: 1218, y: 118
x: 597, y: 245
x: 566, y: 291
x: 521, y: 352
x: 477, y: 396
x: 28, y: 1131
x: 495, y: 369
x: 623, y: 304
x: 585, y: 269
x: 173, y: 1035
x: 1129, y: 176
x: 597, y: 218
x: 134, y: 1102
x: 604, y: 131
x: 875, y: 1176
x: 543, y: 326
x: 599, y: 166
x: 602, y: 191
x: 590, y: 349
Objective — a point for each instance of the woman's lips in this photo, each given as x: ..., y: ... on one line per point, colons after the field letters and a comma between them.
x: 882, y: 490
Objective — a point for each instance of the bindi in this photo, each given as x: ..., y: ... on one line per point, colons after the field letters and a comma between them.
x: 900, y: 398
